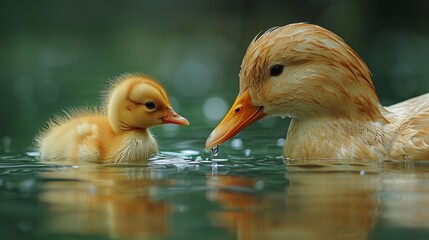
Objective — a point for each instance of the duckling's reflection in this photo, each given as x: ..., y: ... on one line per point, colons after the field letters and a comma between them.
x: 322, y: 202
x: 99, y: 200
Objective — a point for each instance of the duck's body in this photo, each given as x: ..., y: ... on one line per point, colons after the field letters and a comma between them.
x: 409, y: 129
x: 309, y: 74
x: 91, y: 138
x: 118, y: 133
x: 399, y: 135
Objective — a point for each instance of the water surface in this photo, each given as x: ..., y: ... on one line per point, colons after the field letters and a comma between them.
x: 247, y: 192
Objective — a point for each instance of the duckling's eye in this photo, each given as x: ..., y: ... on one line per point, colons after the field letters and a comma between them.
x: 276, y: 70
x: 150, y: 105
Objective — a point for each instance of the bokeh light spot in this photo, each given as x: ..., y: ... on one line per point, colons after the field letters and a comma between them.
x: 236, y: 143
x: 214, y: 108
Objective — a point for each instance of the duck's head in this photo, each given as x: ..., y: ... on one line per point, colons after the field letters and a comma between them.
x: 135, y: 101
x: 301, y: 71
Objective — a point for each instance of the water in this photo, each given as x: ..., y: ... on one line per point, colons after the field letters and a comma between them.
x: 215, y: 151
x: 246, y: 192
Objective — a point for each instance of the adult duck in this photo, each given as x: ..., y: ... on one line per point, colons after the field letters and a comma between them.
x: 311, y: 75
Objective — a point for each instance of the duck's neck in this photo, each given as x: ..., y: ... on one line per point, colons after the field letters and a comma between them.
x: 335, y: 138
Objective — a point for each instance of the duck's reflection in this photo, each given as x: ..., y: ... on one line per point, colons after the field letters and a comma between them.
x: 330, y: 201
x: 308, y: 201
x: 112, y: 201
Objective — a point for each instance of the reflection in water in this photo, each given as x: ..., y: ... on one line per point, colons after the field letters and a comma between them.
x: 185, y: 195
x: 326, y: 201
x: 113, y: 201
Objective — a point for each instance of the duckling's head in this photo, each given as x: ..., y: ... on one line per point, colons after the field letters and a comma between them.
x: 301, y: 71
x: 135, y: 101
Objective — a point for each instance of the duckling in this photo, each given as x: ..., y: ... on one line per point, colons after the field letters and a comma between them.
x: 311, y: 75
x: 118, y: 132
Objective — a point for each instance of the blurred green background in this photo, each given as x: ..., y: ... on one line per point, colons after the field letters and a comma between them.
x: 59, y: 54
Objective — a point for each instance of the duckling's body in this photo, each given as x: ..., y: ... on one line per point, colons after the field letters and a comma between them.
x: 308, y: 73
x: 91, y: 138
x: 118, y: 133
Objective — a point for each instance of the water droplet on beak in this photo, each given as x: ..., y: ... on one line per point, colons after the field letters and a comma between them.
x: 215, y: 151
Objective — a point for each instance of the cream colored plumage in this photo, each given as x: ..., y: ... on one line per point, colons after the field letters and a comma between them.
x: 308, y: 73
x: 119, y: 132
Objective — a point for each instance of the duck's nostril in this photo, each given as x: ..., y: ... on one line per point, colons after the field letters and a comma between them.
x: 237, y: 110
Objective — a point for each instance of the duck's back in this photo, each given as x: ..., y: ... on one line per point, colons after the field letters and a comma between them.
x: 410, y: 129
x: 75, y: 138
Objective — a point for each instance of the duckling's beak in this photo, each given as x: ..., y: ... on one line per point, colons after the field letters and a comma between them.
x: 241, y: 114
x: 174, y: 118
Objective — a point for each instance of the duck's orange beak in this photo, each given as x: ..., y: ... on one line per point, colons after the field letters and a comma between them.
x: 241, y: 114
x: 174, y: 118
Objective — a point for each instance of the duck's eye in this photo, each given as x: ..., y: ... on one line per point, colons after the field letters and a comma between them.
x: 276, y: 70
x: 150, y: 105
